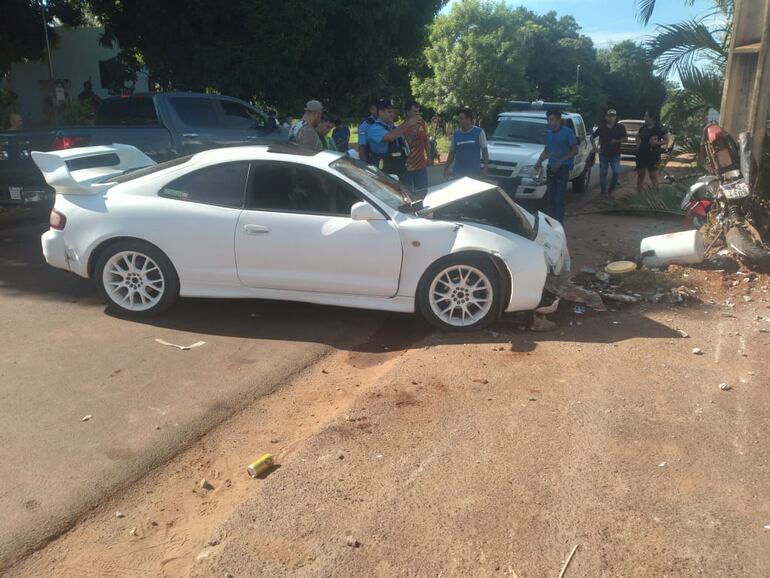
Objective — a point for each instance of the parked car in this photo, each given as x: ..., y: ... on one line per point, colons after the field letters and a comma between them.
x: 518, y: 140
x: 629, y: 146
x: 163, y: 125
x: 283, y: 222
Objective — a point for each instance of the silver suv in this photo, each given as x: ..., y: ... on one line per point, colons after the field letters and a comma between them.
x: 520, y: 137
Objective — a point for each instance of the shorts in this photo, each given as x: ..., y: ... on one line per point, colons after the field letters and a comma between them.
x: 647, y: 163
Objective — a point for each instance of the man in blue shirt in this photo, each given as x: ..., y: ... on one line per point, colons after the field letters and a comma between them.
x: 386, y: 140
x: 363, y: 130
x: 468, y: 149
x: 561, y: 147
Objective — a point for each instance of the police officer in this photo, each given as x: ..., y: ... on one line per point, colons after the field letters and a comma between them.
x: 386, y: 141
x: 363, y: 130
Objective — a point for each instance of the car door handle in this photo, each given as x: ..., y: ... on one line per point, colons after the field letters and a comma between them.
x: 255, y: 229
x: 190, y: 134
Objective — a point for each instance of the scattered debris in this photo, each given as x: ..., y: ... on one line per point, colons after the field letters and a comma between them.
x: 541, y: 324
x: 132, y: 532
x: 352, y: 542
x: 620, y: 298
x: 620, y: 267
x: 181, y: 347
x: 697, y: 351
x: 340, y: 455
x: 260, y: 465
x: 213, y: 542
x: 565, y: 288
x: 120, y: 515
x: 662, y: 464
x: 686, y: 247
x: 87, y: 417
x: 747, y: 299
x: 725, y: 386
x: 616, y: 322
x: 545, y: 310
x: 682, y: 333
x: 602, y: 276
x: 206, y: 485
x: 579, y: 310
x: 274, y: 440
x: 588, y: 270
x: 569, y: 559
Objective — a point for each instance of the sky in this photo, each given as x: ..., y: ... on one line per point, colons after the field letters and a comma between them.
x: 611, y: 21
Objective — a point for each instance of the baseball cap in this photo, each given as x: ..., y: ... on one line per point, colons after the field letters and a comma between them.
x: 314, y: 106
x: 384, y: 104
x: 612, y: 112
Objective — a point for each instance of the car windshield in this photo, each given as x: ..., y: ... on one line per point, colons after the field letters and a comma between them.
x: 529, y: 130
x: 373, y: 180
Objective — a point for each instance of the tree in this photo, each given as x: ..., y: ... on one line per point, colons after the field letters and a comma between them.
x: 485, y: 54
x: 278, y: 53
x: 475, y: 57
x: 630, y: 82
x: 21, y: 28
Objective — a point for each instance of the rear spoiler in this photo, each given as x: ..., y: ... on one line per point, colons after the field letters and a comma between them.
x: 78, y: 171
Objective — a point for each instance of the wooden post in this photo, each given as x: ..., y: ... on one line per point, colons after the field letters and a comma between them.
x: 746, y: 93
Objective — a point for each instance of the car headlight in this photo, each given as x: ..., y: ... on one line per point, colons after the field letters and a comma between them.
x: 529, y: 172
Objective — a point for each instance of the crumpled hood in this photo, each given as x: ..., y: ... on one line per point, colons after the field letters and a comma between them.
x: 447, y: 193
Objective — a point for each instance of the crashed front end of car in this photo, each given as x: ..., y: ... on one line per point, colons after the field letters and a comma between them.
x: 486, y: 205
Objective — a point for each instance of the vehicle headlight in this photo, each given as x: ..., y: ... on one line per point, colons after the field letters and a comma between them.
x: 529, y: 172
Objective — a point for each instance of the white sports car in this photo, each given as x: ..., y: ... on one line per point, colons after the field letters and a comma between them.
x: 281, y: 222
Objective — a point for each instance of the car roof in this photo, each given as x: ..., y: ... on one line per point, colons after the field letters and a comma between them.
x: 632, y: 120
x: 539, y: 114
x: 283, y: 152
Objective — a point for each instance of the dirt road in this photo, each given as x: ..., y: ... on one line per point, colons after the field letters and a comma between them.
x: 490, y: 454
x: 62, y: 359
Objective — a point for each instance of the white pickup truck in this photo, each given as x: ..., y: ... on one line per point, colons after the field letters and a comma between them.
x: 518, y: 140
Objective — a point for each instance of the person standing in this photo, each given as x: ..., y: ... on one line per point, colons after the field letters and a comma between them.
x: 611, y: 135
x: 323, y: 129
x: 303, y: 132
x: 385, y: 141
x: 15, y: 121
x: 89, y: 98
x: 560, y: 150
x: 341, y: 135
x: 468, y: 150
x: 416, y: 175
x: 653, y: 137
x: 363, y: 132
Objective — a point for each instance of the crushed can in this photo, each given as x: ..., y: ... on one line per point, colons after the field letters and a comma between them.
x: 261, y: 465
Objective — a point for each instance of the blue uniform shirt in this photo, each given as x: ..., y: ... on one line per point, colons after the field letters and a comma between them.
x: 374, y: 136
x: 467, y: 148
x: 363, y: 131
x: 559, y: 144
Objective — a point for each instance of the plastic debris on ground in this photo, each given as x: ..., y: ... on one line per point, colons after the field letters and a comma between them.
x: 181, y: 347
x: 565, y: 288
x: 725, y: 386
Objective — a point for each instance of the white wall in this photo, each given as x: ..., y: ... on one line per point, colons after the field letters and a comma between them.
x: 75, y: 57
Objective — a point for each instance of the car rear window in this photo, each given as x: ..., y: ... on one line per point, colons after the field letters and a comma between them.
x: 137, y: 173
x: 196, y: 112
x: 131, y: 111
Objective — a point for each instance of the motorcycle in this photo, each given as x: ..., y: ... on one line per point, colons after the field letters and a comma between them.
x: 723, y: 201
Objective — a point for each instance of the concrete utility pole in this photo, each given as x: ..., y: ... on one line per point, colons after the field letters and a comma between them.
x: 746, y: 93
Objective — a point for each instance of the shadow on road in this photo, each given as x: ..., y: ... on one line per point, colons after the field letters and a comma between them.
x: 24, y: 271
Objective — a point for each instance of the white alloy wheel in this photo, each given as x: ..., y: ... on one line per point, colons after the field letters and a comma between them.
x: 461, y: 295
x: 133, y: 281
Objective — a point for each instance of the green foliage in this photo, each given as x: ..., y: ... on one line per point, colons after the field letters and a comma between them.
x: 279, y: 53
x: 475, y: 57
x: 629, y: 82
x: 21, y: 27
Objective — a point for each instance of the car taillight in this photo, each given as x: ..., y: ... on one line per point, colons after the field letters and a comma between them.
x: 57, y: 221
x: 68, y: 142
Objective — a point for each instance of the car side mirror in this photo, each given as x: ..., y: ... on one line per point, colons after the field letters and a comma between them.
x: 363, y: 211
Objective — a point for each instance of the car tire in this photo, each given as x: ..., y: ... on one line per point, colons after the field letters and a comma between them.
x: 136, y: 279
x: 460, y: 293
x: 582, y: 183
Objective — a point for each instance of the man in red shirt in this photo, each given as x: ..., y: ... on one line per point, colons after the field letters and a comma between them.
x: 415, y: 178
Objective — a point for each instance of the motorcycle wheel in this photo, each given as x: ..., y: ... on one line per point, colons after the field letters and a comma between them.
x: 741, y: 243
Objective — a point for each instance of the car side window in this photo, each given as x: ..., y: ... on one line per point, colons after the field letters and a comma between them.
x: 240, y: 117
x: 223, y: 185
x: 292, y: 188
x: 195, y: 112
